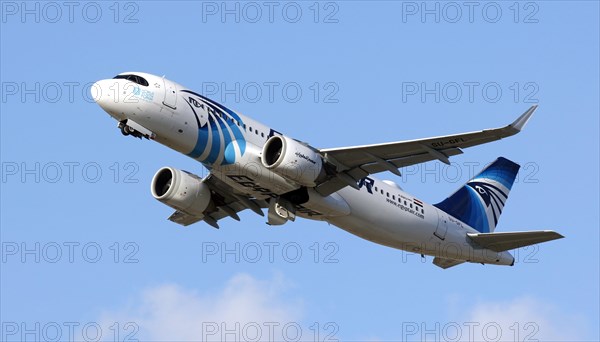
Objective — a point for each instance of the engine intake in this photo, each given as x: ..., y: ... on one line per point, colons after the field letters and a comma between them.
x: 292, y: 160
x: 181, y: 191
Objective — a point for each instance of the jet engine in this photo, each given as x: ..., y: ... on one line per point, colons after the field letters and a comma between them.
x: 292, y: 160
x: 181, y: 191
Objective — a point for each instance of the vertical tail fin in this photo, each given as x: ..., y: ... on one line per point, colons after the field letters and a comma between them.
x: 479, y: 203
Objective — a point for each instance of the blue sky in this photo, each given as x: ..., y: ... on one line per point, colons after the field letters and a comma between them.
x: 88, y: 254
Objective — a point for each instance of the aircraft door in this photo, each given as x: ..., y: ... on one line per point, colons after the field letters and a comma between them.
x: 442, y: 226
x: 170, y: 99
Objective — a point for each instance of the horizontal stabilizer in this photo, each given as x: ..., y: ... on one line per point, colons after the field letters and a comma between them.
x: 499, y: 242
x: 446, y: 263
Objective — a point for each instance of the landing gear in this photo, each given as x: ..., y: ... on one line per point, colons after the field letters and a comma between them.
x: 280, y: 211
x: 128, y: 130
x: 125, y: 130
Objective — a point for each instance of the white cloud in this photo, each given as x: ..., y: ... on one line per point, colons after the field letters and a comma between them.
x: 517, y: 319
x: 523, y: 319
x: 244, y: 305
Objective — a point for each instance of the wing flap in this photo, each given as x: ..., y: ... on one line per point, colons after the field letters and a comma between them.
x: 371, y: 167
x: 446, y: 263
x: 375, y: 167
x: 184, y: 219
x: 500, y: 242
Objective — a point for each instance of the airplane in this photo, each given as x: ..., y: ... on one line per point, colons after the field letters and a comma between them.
x: 253, y: 166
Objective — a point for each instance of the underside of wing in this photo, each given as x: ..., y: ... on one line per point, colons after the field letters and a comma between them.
x: 226, y: 203
x: 356, y: 162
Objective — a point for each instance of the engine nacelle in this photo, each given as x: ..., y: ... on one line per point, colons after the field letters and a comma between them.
x: 292, y: 160
x: 181, y: 190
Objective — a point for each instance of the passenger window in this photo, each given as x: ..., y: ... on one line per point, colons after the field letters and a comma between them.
x: 262, y: 134
x: 393, y: 197
x: 387, y: 194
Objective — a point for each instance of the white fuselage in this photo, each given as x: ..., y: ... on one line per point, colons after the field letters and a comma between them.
x: 379, y: 211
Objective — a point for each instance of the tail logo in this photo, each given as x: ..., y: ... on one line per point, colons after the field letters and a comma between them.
x: 492, y: 197
x: 480, y: 202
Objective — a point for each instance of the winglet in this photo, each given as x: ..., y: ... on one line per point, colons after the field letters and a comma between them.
x: 518, y: 124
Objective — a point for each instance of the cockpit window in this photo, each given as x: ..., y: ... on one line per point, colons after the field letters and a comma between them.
x: 133, y: 78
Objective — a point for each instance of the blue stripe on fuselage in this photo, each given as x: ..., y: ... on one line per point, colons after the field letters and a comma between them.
x: 215, y: 148
x: 202, y: 137
x: 223, y: 123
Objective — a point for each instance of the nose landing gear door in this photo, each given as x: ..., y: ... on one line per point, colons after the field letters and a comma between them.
x: 170, y: 99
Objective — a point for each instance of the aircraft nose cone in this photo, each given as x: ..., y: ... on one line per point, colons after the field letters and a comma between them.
x: 104, y: 95
x: 101, y: 94
x: 95, y: 91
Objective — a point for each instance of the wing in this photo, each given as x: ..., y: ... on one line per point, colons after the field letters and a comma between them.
x: 354, y: 163
x: 500, y: 242
x: 227, y: 202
